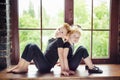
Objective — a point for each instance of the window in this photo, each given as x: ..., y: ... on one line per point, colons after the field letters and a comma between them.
x: 95, y: 21
x: 94, y: 18
x: 37, y: 20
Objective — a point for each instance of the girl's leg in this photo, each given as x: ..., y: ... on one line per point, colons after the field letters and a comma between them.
x: 39, y: 59
x: 21, y: 67
x: 22, y: 64
x: 32, y: 52
x: 88, y: 63
x: 80, y: 53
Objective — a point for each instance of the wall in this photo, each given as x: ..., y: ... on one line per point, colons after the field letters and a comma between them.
x: 119, y: 34
x: 4, y: 34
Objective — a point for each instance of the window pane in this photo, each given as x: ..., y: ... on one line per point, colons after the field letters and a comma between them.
x: 100, y: 44
x: 29, y: 13
x: 47, y: 34
x: 28, y: 36
x: 85, y: 41
x: 101, y: 14
x: 82, y: 13
x: 52, y: 13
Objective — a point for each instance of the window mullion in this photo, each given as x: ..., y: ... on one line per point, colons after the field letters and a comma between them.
x: 91, y: 28
x: 41, y: 22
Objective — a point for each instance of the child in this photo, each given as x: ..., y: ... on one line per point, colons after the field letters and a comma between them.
x: 81, y: 53
x: 44, y: 62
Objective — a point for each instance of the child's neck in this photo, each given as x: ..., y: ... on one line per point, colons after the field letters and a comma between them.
x: 71, y: 42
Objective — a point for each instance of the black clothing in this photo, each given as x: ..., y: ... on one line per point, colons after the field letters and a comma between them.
x: 52, y: 50
x: 44, y: 62
x: 74, y: 60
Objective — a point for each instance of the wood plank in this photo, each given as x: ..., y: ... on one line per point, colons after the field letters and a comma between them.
x: 110, y: 72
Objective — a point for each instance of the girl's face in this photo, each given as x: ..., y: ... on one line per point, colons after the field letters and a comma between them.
x: 74, y: 37
x: 61, y: 32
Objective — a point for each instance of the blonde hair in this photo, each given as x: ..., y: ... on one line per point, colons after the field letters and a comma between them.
x: 75, y: 28
x: 67, y: 27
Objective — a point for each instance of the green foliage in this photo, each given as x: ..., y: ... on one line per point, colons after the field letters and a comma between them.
x: 45, y: 18
x: 100, y: 44
x: 101, y: 17
x: 28, y: 36
x: 27, y: 21
x: 82, y: 16
x: 100, y: 39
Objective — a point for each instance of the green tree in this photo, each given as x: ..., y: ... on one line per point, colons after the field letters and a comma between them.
x: 101, y: 16
x: 28, y: 20
x: 82, y: 16
x: 101, y: 38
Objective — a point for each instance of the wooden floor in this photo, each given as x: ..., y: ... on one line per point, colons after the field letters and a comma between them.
x: 111, y: 72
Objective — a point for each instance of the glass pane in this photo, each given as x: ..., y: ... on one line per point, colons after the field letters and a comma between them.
x: 85, y: 40
x: 101, y: 14
x: 29, y: 13
x: 28, y: 36
x: 100, y: 44
x: 47, y: 34
x: 52, y: 13
x: 82, y: 13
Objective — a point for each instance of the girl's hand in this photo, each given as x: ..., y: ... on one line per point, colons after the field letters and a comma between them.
x: 65, y: 73
x: 71, y: 72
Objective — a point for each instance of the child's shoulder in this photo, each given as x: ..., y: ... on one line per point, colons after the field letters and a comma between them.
x: 51, y: 40
x: 67, y: 44
x: 54, y: 39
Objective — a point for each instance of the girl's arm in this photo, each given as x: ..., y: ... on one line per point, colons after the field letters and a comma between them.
x: 65, y: 60
x: 60, y: 54
x: 61, y: 58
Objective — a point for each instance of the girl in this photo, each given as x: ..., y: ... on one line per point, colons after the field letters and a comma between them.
x: 44, y: 62
x: 72, y: 61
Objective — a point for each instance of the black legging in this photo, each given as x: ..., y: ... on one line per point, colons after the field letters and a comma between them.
x: 32, y: 52
x: 44, y: 62
x: 75, y: 60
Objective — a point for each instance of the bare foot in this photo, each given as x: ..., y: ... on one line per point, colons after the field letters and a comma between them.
x: 19, y: 70
x: 21, y: 67
x: 10, y: 69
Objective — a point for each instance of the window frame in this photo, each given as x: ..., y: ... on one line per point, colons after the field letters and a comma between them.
x: 69, y: 18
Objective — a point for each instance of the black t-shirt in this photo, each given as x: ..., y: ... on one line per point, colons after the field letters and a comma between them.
x: 51, y: 52
x: 71, y: 49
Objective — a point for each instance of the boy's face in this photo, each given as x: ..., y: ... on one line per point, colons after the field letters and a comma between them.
x: 74, y: 38
x: 61, y: 32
